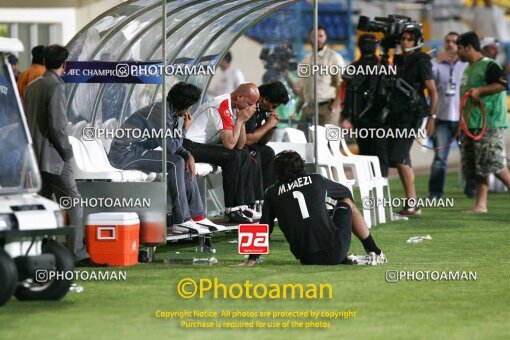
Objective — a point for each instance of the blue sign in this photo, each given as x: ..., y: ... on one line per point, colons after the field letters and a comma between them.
x: 133, y: 72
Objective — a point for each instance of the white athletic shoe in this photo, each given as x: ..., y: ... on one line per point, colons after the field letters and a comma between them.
x: 210, y: 225
x: 248, y: 212
x: 377, y: 260
x: 360, y: 260
x: 371, y: 259
x: 189, y: 227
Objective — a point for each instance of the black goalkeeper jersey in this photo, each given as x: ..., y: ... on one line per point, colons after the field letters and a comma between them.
x: 302, y: 214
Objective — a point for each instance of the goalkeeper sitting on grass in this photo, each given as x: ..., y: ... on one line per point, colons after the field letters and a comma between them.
x: 297, y: 200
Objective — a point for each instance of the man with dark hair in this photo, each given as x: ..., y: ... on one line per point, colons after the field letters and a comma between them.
x: 356, y: 112
x: 261, y: 126
x: 447, y: 72
x: 328, y: 85
x: 14, y: 61
x: 485, y: 81
x: 408, y: 110
x: 227, y: 80
x: 34, y: 71
x: 298, y: 201
x: 45, y: 106
x: 132, y: 153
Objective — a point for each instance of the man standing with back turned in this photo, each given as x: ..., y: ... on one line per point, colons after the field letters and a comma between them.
x: 45, y: 103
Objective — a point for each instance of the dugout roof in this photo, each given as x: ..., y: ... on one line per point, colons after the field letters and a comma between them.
x: 133, y: 31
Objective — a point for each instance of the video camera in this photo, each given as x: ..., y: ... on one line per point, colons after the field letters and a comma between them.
x: 280, y: 57
x: 393, y: 26
x: 383, y: 86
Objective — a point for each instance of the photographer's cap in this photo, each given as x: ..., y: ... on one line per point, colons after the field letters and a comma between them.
x: 487, y: 41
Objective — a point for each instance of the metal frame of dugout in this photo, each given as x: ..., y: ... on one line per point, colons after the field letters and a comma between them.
x: 133, y: 31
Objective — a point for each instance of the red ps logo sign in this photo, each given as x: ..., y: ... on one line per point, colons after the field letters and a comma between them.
x: 253, y: 239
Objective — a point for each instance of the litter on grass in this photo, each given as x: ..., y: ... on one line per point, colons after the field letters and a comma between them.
x: 76, y: 288
x: 419, y: 239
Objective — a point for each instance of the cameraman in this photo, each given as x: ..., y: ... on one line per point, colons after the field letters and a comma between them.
x: 407, y: 111
x: 357, y: 112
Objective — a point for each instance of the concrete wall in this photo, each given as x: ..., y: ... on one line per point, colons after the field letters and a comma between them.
x: 245, y: 57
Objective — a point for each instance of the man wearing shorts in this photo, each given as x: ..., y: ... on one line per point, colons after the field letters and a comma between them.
x: 297, y: 200
x: 406, y: 113
x: 485, y: 80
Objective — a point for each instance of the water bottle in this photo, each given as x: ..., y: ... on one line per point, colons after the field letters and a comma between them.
x: 76, y: 288
x: 205, y: 261
x: 258, y: 206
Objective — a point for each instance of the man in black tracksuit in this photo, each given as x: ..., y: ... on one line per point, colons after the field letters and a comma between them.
x: 297, y: 200
x: 261, y: 126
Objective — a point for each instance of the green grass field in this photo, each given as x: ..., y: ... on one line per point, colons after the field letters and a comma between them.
x: 407, y: 309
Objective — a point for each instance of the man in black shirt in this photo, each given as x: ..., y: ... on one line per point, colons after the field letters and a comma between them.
x: 298, y: 201
x: 406, y: 113
x: 261, y: 126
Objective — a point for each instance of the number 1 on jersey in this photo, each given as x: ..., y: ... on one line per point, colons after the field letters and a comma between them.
x: 302, y: 203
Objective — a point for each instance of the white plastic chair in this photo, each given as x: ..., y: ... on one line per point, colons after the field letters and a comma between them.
x: 380, y: 182
x: 294, y: 136
x: 100, y: 161
x: 110, y: 124
x: 360, y: 168
x: 77, y: 129
x: 82, y: 165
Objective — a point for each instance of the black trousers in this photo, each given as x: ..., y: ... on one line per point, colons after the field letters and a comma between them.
x: 64, y: 185
x: 236, y: 166
x: 264, y: 157
x: 341, y: 239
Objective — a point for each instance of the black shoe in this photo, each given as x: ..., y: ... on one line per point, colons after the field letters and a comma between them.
x: 410, y: 211
x: 89, y: 263
x: 435, y: 196
x: 236, y: 216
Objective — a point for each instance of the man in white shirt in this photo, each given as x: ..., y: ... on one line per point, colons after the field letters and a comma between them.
x: 447, y: 71
x: 217, y: 136
x: 328, y: 85
x: 227, y: 80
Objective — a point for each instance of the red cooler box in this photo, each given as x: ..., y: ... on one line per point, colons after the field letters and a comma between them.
x: 112, y: 238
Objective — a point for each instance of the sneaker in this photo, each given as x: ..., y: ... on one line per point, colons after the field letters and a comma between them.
x: 236, y: 216
x: 249, y: 212
x: 410, y: 211
x: 210, y: 225
x: 371, y: 259
x: 377, y: 260
x: 435, y: 196
x: 360, y: 260
x: 189, y: 227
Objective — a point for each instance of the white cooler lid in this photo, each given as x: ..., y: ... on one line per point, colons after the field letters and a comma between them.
x: 112, y: 218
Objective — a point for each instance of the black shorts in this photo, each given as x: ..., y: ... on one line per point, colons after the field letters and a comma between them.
x: 399, y: 149
x: 341, y: 239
